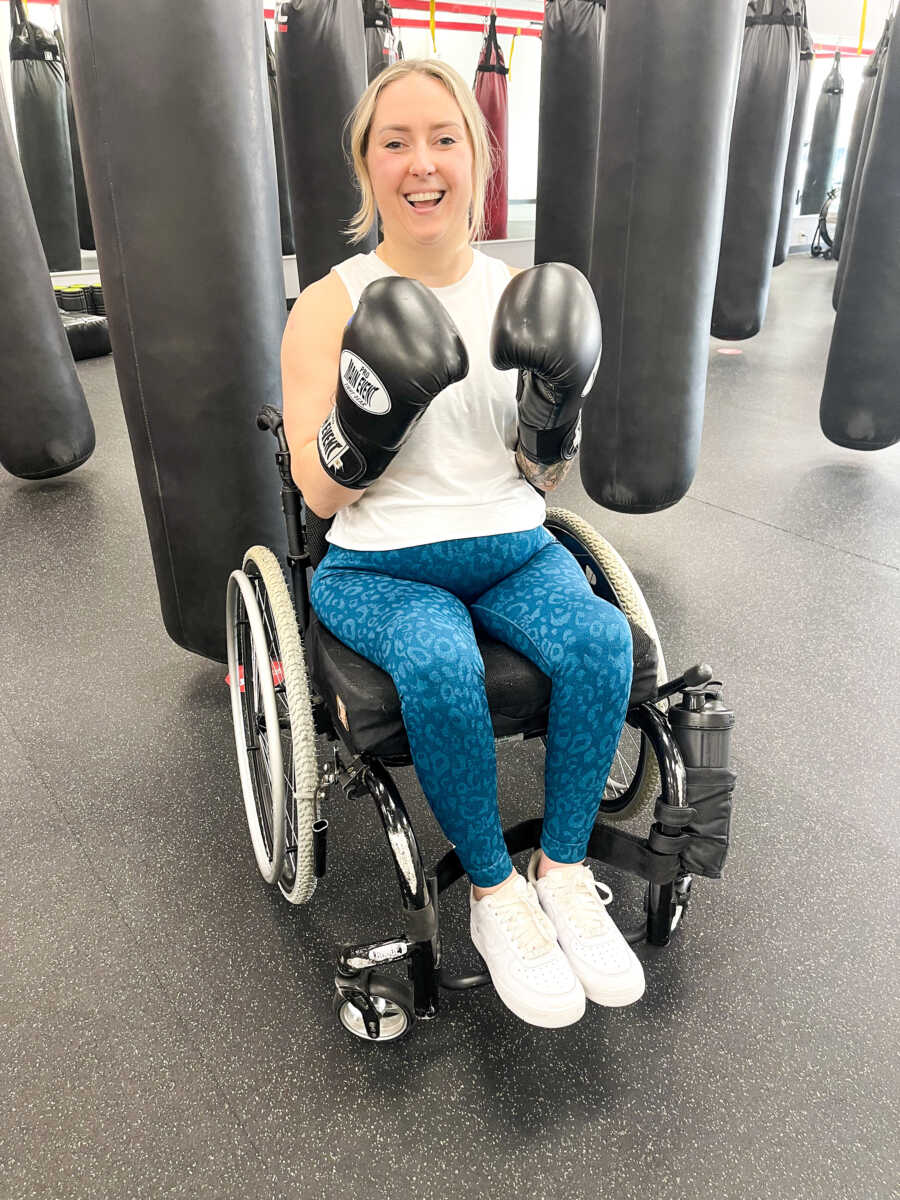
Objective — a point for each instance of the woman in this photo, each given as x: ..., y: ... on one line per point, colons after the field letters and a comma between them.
x: 426, y: 461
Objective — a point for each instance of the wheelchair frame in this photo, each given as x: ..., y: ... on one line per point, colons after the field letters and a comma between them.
x: 357, y: 977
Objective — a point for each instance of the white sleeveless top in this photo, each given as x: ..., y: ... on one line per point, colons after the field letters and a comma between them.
x: 456, y: 475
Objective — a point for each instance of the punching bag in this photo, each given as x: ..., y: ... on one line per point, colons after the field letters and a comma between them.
x: 851, y: 162
x: 490, y: 92
x: 850, y: 222
x: 85, y: 225
x: 669, y: 78
x: 821, y: 145
x: 767, y: 91
x: 381, y: 45
x: 284, y: 199
x: 798, y: 127
x: 850, y: 225
x: 568, y: 131
x: 861, y: 400
x: 45, y: 426
x: 39, y: 99
x: 181, y: 179
x: 320, y: 49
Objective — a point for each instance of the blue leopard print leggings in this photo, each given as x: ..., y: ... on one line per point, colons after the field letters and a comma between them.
x: 411, y: 612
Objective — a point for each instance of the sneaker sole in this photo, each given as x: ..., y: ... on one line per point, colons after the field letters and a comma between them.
x: 615, y: 999
x: 533, y: 1016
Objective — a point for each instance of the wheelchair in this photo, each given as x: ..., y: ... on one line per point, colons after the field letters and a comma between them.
x: 292, y: 681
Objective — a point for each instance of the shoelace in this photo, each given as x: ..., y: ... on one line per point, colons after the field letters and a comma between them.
x: 588, y: 919
x: 522, y: 921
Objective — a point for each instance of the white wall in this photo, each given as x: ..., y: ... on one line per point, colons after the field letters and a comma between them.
x: 838, y: 21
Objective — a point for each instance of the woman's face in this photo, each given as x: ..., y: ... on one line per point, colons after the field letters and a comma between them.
x: 418, y: 146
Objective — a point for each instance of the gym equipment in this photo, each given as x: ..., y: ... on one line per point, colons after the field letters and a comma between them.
x: 856, y: 132
x: 320, y: 52
x: 850, y: 223
x: 45, y: 426
x: 490, y: 92
x: 798, y: 127
x: 766, y: 96
x: 822, y: 243
x: 669, y: 80
x: 42, y: 128
x: 290, y: 679
x: 85, y: 225
x: 381, y: 44
x: 860, y: 405
x: 822, y: 141
x: 88, y: 335
x: 284, y: 199
x: 184, y: 199
x: 571, y: 79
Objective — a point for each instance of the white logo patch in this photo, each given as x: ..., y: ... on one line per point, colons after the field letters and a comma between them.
x: 363, y: 386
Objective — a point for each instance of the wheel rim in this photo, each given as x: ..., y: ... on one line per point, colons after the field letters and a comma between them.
x: 393, y: 1019
x: 273, y: 651
x: 255, y: 712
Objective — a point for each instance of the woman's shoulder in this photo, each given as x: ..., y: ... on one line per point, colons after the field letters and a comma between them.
x: 322, y: 305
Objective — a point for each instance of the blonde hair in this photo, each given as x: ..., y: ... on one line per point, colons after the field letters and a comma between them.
x: 359, y: 124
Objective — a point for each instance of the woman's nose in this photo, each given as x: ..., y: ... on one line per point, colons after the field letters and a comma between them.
x: 422, y: 163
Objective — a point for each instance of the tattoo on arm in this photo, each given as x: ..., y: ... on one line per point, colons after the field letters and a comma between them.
x: 545, y: 478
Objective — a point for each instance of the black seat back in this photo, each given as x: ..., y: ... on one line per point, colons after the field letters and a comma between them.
x: 316, y: 528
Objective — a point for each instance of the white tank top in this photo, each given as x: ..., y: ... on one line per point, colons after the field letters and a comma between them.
x: 456, y: 475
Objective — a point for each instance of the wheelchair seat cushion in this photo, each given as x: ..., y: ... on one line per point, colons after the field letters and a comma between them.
x: 364, y: 700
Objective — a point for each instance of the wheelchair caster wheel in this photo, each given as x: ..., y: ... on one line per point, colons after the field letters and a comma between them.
x: 390, y: 1013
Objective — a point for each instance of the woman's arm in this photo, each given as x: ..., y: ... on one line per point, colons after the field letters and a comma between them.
x: 310, y: 359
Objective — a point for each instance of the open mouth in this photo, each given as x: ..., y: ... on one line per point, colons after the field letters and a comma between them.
x: 424, y: 201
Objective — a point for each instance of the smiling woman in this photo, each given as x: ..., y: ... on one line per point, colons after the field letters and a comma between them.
x: 431, y: 89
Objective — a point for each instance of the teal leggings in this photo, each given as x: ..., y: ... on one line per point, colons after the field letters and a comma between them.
x: 413, y: 612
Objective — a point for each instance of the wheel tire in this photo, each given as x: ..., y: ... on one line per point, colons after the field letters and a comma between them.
x: 391, y: 997
x: 297, y: 879
x: 624, y: 591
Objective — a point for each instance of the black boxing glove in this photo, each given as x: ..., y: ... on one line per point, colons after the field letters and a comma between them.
x: 548, y: 325
x: 400, y: 349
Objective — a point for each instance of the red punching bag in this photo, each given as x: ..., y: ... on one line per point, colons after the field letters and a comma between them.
x: 490, y: 92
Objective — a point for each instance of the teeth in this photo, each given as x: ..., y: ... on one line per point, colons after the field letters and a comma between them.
x: 424, y: 196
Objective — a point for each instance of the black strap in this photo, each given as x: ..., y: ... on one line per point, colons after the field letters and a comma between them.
x: 632, y: 854
x: 674, y: 814
x: 787, y: 18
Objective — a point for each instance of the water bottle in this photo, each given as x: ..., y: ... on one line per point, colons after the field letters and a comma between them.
x: 702, y: 725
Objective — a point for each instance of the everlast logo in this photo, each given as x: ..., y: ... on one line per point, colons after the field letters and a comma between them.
x: 362, y: 385
x: 342, y: 460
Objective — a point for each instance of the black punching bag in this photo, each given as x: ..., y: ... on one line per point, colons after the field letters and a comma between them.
x: 381, y: 45
x: 861, y: 400
x: 39, y: 99
x: 320, y: 50
x: 798, y: 128
x: 766, y: 95
x: 568, y: 131
x: 85, y: 225
x: 867, y: 86
x: 669, y: 78
x: 821, y: 144
x: 852, y: 204
x: 177, y: 146
x: 284, y: 198
x: 45, y: 426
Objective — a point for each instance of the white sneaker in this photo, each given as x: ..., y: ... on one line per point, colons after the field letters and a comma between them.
x: 609, y: 970
x: 527, y: 967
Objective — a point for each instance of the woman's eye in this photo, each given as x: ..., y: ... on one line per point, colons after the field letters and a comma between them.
x: 448, y: 138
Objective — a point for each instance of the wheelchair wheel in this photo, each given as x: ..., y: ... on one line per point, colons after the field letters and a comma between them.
x: 633, y: 781
x: 273, y: 721
x: 392, y: 1002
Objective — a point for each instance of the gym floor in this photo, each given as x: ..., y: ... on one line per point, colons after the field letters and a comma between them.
x: 166, y: 1018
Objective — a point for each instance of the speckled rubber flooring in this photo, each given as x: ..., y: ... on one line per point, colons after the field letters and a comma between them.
x: 166, y: 1018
